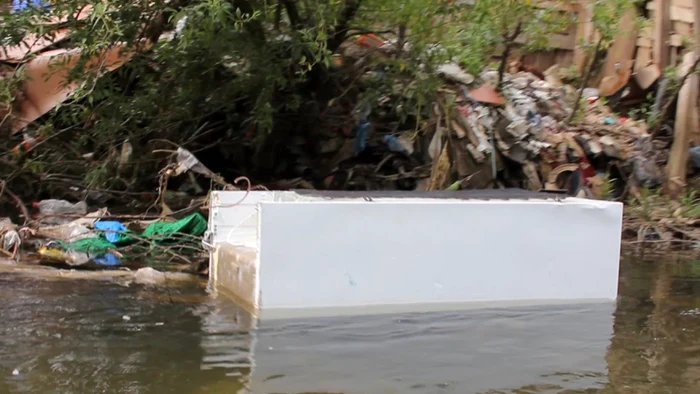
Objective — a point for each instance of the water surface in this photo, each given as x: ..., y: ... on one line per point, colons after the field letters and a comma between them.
x: 97, y: 336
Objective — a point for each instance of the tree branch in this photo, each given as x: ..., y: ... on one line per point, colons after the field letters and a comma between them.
x: 18, y: 201
x: 585, y: 79
x: 293, y: 13
x: 509, y: 43
x: 254, y: 28
x: 309, y: 12
x: 278, y: 14
x: 341, y: 29
x: 664, y: 111
x: 401, y: 40
x: 159, y: 20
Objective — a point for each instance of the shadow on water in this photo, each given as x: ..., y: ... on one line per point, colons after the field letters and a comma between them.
x: 89, y: 336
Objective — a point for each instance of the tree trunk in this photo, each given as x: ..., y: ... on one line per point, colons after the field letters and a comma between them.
x: 502, y: 66
x: 293, y: 13
x: 509, y: 43
x: 341, y: 29
x: 319, y: 73
x: 584, y: 81
x: 401, y: 41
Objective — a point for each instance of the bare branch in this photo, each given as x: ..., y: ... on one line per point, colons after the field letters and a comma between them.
x: 341, y: 29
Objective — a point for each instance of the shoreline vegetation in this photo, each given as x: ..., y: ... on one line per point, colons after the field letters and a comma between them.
x: 147, y: 107
x: 659, y: 222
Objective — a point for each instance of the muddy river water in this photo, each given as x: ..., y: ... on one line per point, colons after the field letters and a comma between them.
x: 102, y: 336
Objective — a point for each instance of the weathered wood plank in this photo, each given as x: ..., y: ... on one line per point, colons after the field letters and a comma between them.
x: 675, y: 12
x: 678, y: 158
x: 676, y: 40
x: 682, y: 28
x: 646, y: 76
x: 695, y: 112
x: 685, y: 116
x: 662, y: 25
x: 643, y: 57
x: 557, y: 41
x: 617, y: 68
x: 645, y: 42
x: 647, y: 32
x: 683, y: 3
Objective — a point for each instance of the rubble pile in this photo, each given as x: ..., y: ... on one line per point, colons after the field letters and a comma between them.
x: 482, y: 135
x: 526, y: 122
x: 600, y: 155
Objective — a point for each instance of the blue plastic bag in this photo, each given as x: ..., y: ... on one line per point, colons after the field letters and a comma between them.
x: 111, y: 229
x: 360, y: 143
x: 108, y: 259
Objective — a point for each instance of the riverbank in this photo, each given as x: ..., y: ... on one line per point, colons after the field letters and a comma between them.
x: 651, y: 224
x: 373, y: 111
x: 660, y: 222
x: 98, y: 241
x: 125, y: 277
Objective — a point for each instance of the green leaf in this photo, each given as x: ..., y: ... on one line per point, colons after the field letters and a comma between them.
x: 455, y: 186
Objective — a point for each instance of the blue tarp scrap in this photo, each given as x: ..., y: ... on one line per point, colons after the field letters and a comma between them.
x: 112, y: 229
x: 161, y: 233
x: 394, y: 144
x: 361, y: 136
x: 108, y: 259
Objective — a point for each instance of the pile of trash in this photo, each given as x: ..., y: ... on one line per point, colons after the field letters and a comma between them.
x: 526, y: 124
x: 516, y: 134
x: 65, y: 234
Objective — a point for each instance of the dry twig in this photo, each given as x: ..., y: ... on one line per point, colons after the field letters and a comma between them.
x: 18, y: 201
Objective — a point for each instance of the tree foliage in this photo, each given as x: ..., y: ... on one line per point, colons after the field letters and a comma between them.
x: 244, y: 76
x: 532, y: 22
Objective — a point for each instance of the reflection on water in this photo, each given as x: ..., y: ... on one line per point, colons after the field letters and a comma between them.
x: 100, y: 337
x: 438, y: 353
x: 656, y: 346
